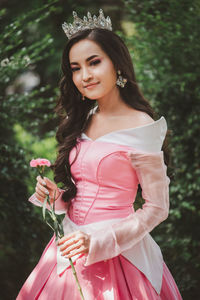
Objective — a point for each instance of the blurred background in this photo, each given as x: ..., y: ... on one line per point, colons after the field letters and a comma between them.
x: 163, y: 38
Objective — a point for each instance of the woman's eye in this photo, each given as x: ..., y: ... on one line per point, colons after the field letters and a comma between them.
x: 75, y: 69
x: 95, y: 62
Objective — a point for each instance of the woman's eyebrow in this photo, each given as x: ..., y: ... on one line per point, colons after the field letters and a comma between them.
x: 87, y: 59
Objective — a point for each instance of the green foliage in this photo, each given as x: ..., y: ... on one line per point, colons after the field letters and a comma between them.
x: 35, y: 148
x: 165, y: 49
x: 22, y: 235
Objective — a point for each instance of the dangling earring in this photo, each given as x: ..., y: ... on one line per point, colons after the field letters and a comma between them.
x: 121, y: 81
x: 83, y: 97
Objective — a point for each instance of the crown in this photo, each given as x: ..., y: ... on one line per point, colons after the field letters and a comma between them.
x: 88, y: 22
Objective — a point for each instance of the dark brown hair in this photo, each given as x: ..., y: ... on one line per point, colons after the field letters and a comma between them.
x: 74, y: 112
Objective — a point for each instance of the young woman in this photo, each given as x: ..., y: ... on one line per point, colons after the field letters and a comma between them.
x: 108, y: 144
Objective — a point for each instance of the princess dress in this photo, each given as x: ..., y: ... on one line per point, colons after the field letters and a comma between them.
x: 124, y: 262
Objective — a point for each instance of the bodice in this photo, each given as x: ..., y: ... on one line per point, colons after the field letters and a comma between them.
x: 105, y: 179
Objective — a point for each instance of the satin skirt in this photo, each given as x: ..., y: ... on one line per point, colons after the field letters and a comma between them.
x: 114, y: 279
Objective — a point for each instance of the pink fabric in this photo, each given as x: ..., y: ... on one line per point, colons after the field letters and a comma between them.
x: 107, y: 181
x: 60, y: 205
x: 113, y: 240
x: 115, y: 279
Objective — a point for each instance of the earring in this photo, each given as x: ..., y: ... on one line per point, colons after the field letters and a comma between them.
x: 121, y: 81
x: 83, y: 97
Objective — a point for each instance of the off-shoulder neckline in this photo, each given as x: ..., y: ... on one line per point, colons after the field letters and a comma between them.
x: 132, y: 129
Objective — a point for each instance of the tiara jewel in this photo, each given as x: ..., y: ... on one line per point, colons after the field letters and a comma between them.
x: 88, y: 22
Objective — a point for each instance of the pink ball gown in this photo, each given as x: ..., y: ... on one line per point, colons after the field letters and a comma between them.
x: 124, y: 262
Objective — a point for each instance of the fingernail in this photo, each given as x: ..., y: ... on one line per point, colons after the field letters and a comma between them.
x: 43, y: 182
x: 46, y: 192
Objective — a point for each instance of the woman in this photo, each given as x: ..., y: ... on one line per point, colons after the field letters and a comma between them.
x: 105, y: 151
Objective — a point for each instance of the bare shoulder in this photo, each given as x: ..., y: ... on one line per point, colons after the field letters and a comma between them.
x: 141, y: 118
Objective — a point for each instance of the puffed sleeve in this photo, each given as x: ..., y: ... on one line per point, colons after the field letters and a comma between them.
x: 116, y: 238
x: 60, y: 205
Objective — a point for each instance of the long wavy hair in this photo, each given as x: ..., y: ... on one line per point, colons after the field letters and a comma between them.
x: 74, y: 112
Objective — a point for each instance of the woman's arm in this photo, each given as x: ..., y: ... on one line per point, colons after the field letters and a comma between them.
x: 121, y: 236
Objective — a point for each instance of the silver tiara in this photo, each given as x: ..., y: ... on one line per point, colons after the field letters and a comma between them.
x: 88, y: 22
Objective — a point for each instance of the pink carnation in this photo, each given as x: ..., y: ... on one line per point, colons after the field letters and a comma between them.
x: 40, y: 162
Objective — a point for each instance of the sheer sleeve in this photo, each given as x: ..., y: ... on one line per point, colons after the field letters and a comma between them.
x: 60, y: 205
x: 124, y: 234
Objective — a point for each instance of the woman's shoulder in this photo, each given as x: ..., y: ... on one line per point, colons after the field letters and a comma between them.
x: 138, y: 130
x: 147, y: 134
x: 140, y: 118
x: 144, y: 134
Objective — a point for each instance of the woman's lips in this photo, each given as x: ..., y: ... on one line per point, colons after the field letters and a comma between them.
x: 91, y: 85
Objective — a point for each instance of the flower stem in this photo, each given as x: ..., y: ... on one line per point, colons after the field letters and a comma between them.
x: 40, y: 171
x: 77, y: 281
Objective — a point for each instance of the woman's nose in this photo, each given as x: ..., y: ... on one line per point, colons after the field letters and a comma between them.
x: 86, y: 75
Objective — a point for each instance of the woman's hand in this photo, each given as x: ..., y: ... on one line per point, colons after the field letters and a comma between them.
x: 74, y: 243
x: 46, y: 187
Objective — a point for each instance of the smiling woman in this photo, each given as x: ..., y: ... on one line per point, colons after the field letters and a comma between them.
x: 93, y: 71
x: 108, y: 145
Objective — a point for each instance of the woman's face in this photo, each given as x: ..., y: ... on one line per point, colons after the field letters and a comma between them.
x: 93, y: 72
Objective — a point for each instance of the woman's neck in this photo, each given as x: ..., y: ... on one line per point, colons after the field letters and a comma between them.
x: 111, y: 104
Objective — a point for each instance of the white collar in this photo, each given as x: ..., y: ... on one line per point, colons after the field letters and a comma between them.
x: 147, y: 138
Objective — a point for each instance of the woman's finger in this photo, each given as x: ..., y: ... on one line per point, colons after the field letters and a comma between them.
x: 52, y: 188
x: 41, y: 190
x: 41, y: 199
x: 67, y: 237
x: 50, y: 184
x: 40, y: 194
x: 67, y: 250
x: 41, y: 180
x: 47, y: 183
x: 81, y: 250
x: 68, y: 243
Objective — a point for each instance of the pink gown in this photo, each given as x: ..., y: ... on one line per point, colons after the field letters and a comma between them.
x: 124, y: 262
